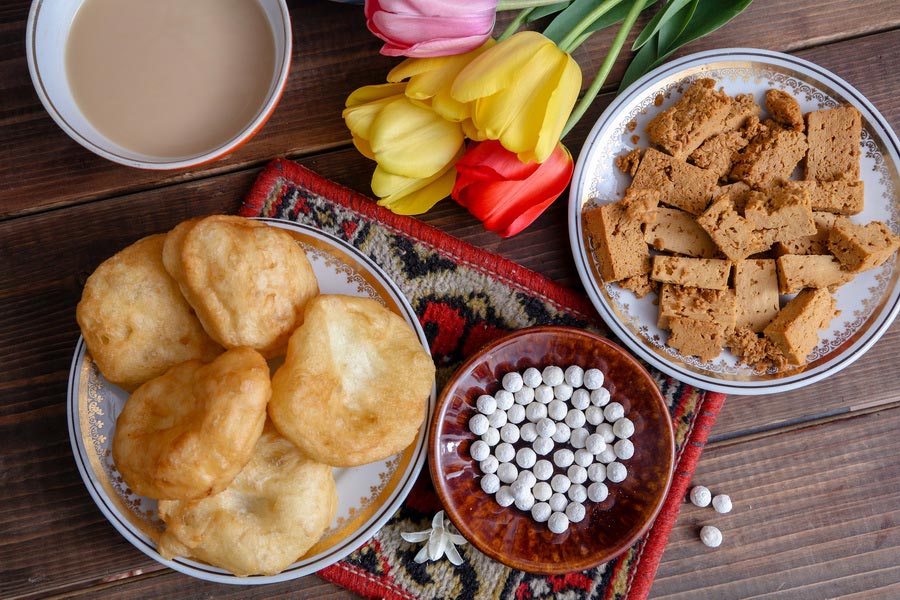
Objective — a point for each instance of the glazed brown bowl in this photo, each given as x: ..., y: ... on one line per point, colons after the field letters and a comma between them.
x: 510, y: 535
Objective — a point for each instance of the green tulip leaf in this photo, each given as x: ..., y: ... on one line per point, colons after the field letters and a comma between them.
x: 670, y: 10
x: 672, y: 28
x: 616, y: 15
x: 573, y: 16
x: 544, y: 11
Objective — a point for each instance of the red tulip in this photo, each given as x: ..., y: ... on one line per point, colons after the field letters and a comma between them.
x: 504, y: 193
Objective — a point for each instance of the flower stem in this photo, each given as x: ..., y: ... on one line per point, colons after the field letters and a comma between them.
x: 605, y: 68
x: 520, y: 4
x: 515, y: 24
x: 580, y: 27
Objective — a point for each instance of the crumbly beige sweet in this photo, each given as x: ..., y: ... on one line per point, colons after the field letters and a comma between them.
x: 770, y: 157
x: 679, y: 184
x: 810, y: 244
x: 715, y: 153
x: 677, y: 231
x: 784, y: 214
x: 743, y: 113
x: 794, y: 330
x: 842, y: 197
x: 738, y: 192
x: 784, y: 109
x: 799, y: 271
x: 834, y: 137
x: 696, y: 338
x: 628, y: 163
x: 698, y: 114
x: 639, y: 285
x: 355, y: 382
x: 247, y: 281
x: 714, y: 306
x: 862, y: 247
x: 135, y: 322
x: 756, y: 293
x: 188, y: 433
x: 709, y: 273
x: 275, y: 510
x: 617, y: 238
x: 755, y: 350
x: 736, y: 237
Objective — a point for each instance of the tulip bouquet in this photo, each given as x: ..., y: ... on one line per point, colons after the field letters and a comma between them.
x: 481, y: 119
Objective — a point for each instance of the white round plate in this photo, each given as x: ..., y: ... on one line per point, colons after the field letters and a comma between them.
x: 368, y: 495
x: 868, y: 304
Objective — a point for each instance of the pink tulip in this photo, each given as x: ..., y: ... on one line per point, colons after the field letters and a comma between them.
x: 426, y: 28
x: 504, y: 193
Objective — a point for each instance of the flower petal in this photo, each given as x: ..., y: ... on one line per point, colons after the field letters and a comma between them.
x: 499, y: 67
x: 559, y: 107
x: 413, y: 141
x: 415, y: 536
x: 453, y: 555
x: 419, y: 197
x: 422, y: 555
x: 370, y: 93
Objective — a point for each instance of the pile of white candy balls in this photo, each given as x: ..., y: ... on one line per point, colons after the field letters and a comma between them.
x: 700, y: 496
x: 566, y: 416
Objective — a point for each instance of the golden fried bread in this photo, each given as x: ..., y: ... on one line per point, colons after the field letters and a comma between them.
x: 247, y: 281
x: 187, y: 433
x: 355, y: 383
x: 275, y: 510
x: 134, y: 320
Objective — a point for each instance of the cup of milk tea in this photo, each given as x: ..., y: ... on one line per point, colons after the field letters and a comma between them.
x: 159, y: 84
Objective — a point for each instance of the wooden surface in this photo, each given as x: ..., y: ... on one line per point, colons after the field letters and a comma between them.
x: 813, y: 473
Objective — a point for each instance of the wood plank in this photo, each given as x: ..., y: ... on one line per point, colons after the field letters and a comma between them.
x: 815, y: 516
x: 44, y: 168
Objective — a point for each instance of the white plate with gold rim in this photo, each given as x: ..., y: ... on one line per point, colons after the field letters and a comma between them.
x: 368, y: 495
x: 868, y: 304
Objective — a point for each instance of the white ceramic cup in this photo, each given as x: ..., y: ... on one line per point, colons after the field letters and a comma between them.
x: 47, y: 31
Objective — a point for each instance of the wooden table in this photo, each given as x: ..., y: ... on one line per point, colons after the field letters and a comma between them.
x: 814, y: 474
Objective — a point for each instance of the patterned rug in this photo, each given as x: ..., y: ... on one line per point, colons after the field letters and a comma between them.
x: 465, y: 297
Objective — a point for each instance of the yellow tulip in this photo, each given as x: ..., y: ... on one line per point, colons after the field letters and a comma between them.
x: 523, y: 90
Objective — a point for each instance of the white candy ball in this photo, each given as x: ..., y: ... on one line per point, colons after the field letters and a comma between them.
x: 600, y: 397
x: 546, y: 427
x: 700, y: 496
x: 593, y: 379
x: 528, y: 432
x: 542, y: 491
x: 526, y: 458
x: 489, y: 465
x: 623, y: 428
x: 504, y: 399
x: 593, y: 415
x: 558, y: 502
x: 562, y: 391
x: 577, y: 493
x: 576, y: 474
x: 542, y: 446
x: 607, y: 456
x: 527, y: 478
x: 491, y: 436
x: 540, y: 512
x: 579, y: 437
x: 597, y: 491
x: 575, y: 512
x: 520, y: 488
x: 624, y: 449
x: 486, y: 404
x: 594, y: 443
x: 552, y: 375
x: 616, y: 472
x: 512, y: 382
x: 490, y: 483
x: 543, y: 469
x: 575, y: 418
x: 532, y: 377
x: 583, y: 458
x: 497, y: 419
x: 504, y: 496
x: 563, y: 458
x: 563, y: 433
x: 597, y: 472
x: 574, y: 376
x: 606, y: 432
x: 504, y: 452
x: 535, y: 411
x: 709, y: 535
x: 507, y: 472
x: 557, y: 410
x: 558, y: 522
x: 525, y: 502
x: 479, y: 424
x: 509, y: 433
x: 613, y: 411
x: 479, y: 450
x: 543, y: 394
x: 722, y: 503
x: 581, y: 399
x: 514, y: 414
x: 525, y: 396
x: 560, y: 483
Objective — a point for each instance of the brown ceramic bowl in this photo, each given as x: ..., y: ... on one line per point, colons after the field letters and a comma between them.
x: 510, y: 535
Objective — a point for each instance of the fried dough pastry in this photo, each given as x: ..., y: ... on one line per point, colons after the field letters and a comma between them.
x: 275, y: 510
x: 247, y: 281
x: 354, y: 386
x: 135, y: 322
x: 187, y: 433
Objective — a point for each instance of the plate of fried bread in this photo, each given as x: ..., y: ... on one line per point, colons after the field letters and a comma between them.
x: 735, y: 219
x: 250, y: 398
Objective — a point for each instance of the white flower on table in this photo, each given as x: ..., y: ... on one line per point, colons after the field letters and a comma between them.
x: 440, y: 538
